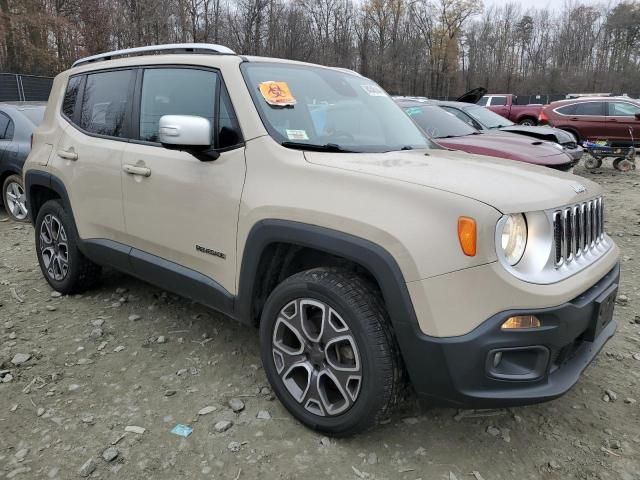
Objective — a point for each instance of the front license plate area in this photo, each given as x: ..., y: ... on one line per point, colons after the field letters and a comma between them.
x: 603, y: 313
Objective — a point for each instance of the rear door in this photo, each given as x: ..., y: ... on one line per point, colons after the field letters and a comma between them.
x: 621, y: 116
x: 183, y: 212
x: 88, y: 156
x: 588, y: 118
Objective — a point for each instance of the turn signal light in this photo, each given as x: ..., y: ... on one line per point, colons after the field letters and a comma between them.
x: 521, y: 321
x: 467, y: 235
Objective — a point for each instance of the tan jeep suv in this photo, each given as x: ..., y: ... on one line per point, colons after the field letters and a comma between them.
x: 300, y: 199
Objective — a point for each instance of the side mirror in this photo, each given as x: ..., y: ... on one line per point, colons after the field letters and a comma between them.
x: 637, y: 116
x: 188, y: 133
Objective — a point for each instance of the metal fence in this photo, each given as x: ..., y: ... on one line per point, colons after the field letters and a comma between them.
x: 20, y: 88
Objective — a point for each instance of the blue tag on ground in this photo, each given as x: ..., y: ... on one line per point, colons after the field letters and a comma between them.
x: 182, y: 430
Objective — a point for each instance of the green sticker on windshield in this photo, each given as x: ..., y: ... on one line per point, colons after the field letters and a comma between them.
x: 411, y: 111
x: 373, y: 90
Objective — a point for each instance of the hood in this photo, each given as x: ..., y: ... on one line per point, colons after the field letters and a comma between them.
x: 508, y: 186
x: 543, y: 133
x: 472, y: 96
x: 509, y: 146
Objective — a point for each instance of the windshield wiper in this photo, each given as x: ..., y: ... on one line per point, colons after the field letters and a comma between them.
x: 327, y: 147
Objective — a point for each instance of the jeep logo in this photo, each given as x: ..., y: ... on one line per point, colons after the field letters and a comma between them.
x: 578, y: 188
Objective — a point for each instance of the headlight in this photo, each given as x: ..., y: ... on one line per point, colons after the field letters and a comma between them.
x: 514, y: 238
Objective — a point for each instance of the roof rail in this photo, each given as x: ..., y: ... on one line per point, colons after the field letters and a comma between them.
x: 206, y: 48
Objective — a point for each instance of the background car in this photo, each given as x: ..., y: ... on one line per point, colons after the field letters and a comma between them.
x: 17, y: 123
x: 487, y: 121
x: 504, y: 104
x: 596, y: 118
x: 450, y: 132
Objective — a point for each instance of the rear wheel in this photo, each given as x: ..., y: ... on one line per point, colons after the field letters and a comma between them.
x: 14, y: 198
x: 328, y: 351
x: 63, y: 265
x: 527, y: 122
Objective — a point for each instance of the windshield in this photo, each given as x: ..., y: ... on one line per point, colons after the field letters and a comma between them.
x: 327, y: 109
x: 487, y: 118
x: 437, y: 122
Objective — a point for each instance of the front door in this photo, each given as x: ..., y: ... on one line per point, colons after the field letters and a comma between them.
x: 179, y: 211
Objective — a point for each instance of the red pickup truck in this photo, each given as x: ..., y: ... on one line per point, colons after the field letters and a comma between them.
x: 506, y: 106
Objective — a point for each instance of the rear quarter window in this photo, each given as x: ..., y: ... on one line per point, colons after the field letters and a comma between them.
x: 70, y: 97
x: 6, y: 127
x: 567, y: 110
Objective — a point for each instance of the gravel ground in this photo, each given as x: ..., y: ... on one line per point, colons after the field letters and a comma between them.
x: 128, y: 355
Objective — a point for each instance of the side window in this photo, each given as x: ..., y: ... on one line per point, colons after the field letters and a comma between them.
x: 70, y: 97
x: 229, y: 134
x: 105, y: 103
x: 622, y: 109
x: 498, y: 101
x: 462, y: 116
x: 483, y: 101
x: 6, y: 127
x: 176, y: 91
x: 567, y: 110
x: 590, y: 108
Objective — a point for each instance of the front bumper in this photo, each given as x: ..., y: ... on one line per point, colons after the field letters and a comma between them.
x: 459, y: 371
x: 574, y: 152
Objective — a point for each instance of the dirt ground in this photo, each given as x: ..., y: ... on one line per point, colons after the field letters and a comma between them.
x: 128, y: 354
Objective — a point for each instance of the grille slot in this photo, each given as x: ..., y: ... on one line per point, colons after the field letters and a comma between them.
x: 577, y: 229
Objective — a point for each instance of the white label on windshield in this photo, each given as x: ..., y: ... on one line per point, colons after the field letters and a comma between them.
x: 297, y: 135
x: 373, y: 90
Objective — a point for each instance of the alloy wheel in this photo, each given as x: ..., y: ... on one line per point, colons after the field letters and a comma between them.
x: 16, y: 200
x: 54, y: 248
x: 316, y: 356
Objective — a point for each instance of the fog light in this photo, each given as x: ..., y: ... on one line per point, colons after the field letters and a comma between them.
x: 521, y: 321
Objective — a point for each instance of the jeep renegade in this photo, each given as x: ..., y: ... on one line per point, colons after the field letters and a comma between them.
x: 302, y: 200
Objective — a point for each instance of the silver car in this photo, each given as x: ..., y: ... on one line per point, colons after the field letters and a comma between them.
x: 18, y: 120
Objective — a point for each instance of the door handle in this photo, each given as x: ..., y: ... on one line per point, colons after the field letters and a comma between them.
x: 68, y: 154
x: 613, y: 120
x: 136, y: 170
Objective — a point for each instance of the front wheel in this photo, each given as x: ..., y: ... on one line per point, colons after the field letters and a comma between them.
x: 328, y: 351
x: 527, y: 122
x: 14, y: 198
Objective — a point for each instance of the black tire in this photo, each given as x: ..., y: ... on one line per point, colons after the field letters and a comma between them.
x: 359, y: 305
x: 12, y: 181
x: 528, y: 122
x: 81, y: 273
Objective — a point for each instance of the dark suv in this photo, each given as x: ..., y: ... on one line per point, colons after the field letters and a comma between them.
x: 596, y: 118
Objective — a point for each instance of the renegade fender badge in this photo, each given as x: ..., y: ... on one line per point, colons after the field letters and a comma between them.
x: 209, y: 251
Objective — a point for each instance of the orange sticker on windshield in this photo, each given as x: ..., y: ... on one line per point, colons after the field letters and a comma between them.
x: 277, y: 93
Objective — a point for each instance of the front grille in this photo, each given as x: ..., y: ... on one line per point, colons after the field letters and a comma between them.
x: 577, y: 230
